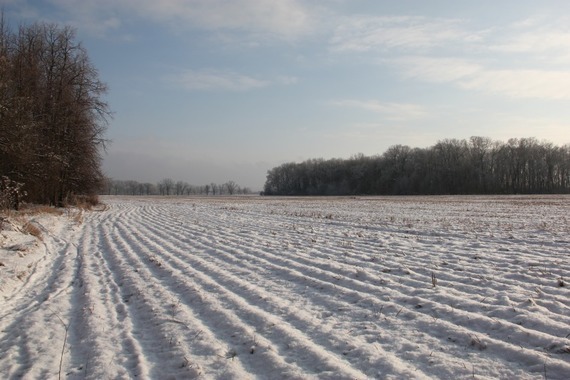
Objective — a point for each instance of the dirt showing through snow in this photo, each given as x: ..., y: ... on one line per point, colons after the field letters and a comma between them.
x: 291, y: 288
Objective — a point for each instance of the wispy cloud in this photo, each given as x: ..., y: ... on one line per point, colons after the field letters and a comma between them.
x: 286, y: 80
x: 223, y: 80
x: 20, y: 9
x: 541, y: 84
x: 389, y: 110
x: 536, y: 41
x: 97, y: 18
x: 469, y: 75
x: 282, y: 19
x: 404, y: 32
x: 438, y: 70
x: 518, y: 60
x: 537, y: 34
x: 216, y: 80
x: 425, y: 35
x: 545, y: 41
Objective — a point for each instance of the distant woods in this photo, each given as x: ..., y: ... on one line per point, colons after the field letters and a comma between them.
x: 52, y: 116
x: 169, y: 187
x: 475, y: 166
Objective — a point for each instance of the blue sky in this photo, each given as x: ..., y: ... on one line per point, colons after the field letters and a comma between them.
x: 215, y: 90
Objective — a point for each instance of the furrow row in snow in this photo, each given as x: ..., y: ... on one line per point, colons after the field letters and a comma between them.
x: 410, y: 287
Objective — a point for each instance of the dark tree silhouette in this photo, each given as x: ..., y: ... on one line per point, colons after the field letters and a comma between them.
x: 52, y: 115
x: 476, y: 166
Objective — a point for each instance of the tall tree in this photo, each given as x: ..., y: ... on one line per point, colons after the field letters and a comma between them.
x: 52, y: 113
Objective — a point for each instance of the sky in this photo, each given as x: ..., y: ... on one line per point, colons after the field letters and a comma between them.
x: 216, y: 90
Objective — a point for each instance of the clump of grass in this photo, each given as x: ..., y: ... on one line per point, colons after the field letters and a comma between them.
x: 49, y: 210
x: 85, y: 202
x: 231, y: 354
x: 29, y: 209
x: 478, y: 343
x: 32, y: 229
x: 78, y: 217
x: 21, y: 223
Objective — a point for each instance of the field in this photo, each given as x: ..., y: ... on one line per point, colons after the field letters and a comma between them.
x: 291, y: 288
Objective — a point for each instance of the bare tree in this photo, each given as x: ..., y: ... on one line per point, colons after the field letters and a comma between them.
x: 221, y: 189
x: 231, y: 187
x: 53, y: 117
x: 451, y: 166
x: 167, y: 186
x: 181, y: 187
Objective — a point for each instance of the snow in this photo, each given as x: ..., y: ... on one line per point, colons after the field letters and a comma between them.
x: 291, y: 288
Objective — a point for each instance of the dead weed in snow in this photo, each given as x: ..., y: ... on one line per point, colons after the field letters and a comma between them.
x: 31, y: 229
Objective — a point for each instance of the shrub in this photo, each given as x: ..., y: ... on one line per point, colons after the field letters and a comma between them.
x: 86, y: 202
x: 11, y: 193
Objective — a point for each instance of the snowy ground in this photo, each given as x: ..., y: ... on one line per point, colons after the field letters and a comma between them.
x: 277, y: 288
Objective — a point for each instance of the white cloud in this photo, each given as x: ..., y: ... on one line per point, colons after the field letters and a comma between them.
x: 540, y: 41
x: 223, y: 80
x: 515, y: 83
x: 20, y: 9
x: 542, y: 84
x: 418, y: 33
x: 94, y: 17
x: 404, y: 32
x: 286, y: 80
x: 537, y: 34
x: 436, y: 69
x: 390, y: 110
x: 284, y: 19
x: 216, y: 80
x: 526, y: 59
x: 535, y: 41
x: 287, y: 19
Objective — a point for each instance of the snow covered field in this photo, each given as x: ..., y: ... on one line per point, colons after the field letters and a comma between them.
x: 279, y: 288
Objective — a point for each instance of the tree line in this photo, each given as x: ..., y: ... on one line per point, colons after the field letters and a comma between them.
x: 478, y: 165
x: 52, y: 116
x: 169, y: 187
